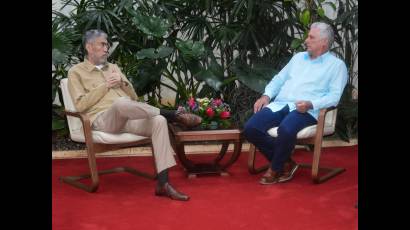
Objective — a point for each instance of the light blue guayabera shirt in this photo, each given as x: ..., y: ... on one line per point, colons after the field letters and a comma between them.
x: 320, y: 81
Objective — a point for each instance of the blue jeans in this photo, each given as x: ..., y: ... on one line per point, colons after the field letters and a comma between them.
x: 276, y: 150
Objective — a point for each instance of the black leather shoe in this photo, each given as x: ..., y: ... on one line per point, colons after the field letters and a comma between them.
x: 169, y: 191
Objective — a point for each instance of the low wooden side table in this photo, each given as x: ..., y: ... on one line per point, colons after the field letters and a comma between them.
x: 180, y: 137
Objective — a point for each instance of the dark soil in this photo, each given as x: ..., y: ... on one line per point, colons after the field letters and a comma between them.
x: 60, y: 143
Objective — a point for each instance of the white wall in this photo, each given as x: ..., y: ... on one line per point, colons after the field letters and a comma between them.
x: 56, y: 5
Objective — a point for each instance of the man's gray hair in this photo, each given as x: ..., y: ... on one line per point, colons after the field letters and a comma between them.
x: 326, y: 31
x: 90, y: 35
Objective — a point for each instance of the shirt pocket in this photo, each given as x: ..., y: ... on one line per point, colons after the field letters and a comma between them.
x: 94, y: 81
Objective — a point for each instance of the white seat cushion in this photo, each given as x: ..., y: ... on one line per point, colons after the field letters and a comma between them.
x: 107, y: 138
x: 310, y: 131
x: 76, y: 128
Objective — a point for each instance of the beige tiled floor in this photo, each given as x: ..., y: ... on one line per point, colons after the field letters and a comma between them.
x: 190, y: 149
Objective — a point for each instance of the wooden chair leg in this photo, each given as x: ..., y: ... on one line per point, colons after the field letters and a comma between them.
x: 74, y: 180
x: 94, y: 174
x: 331, y: 171
x: 251, y: 161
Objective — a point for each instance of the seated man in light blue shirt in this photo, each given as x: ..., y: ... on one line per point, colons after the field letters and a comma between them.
x: 312, y: 80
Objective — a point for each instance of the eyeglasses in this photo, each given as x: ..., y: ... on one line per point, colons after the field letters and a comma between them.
x: 102, y: 44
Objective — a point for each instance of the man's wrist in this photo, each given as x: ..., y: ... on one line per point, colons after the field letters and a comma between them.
x: 267, y: 97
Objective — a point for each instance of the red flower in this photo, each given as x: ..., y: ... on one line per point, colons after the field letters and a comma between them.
x: 225, y: 114
x: 210, y: 112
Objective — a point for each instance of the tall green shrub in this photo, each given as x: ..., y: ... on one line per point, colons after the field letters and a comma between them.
x: 214, y: 48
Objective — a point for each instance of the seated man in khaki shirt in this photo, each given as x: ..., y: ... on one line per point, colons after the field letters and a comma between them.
x: 99, y: 89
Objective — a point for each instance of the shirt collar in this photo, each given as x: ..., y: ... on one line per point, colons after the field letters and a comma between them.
x: 319, y: 59
x: 90, y: 67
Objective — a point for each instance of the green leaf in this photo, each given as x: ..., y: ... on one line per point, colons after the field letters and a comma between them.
x: 58, y: 57
x: 238, y: 5
x: 164, y: 51
x: 151, y: 25
x: 147, y: 53
x: 53, y: 91
x: 57, y: 124
x: 213, y: 76
x: 210, y: 78
x: 321, y: 12
x: 342, y: 131
x: 61, y: 46
x: 152, y: 53
x: 296, y: 43
x: 148, y: 75
x: 305, y: 17
x: 249, y: 11
x: 255, y: 77
x: 191, y: 49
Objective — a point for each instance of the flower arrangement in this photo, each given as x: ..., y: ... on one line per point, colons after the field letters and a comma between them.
x: 214, y: 112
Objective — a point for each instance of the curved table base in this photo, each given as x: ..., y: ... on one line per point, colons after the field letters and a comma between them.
x: 180, y: 137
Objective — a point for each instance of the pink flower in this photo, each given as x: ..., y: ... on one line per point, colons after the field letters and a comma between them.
x: 225, y: 114
x: 210, y: 112
x: 191, y: 102
x: 217, y: 102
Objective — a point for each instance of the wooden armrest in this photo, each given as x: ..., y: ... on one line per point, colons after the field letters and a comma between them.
x: 85, y: 120
x: 330, y: 108
x: 321, y: 123
x: 322, y: 114
x: 83, y: 117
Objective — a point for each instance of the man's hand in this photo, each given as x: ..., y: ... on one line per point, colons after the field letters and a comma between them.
x: 303, y: 106
x: 113, y: 80
x: 260, y: 103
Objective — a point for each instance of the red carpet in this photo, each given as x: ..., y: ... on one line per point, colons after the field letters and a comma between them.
x: 125, y: 202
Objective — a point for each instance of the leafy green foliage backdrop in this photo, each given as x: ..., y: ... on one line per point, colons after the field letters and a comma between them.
x: 214, y: 48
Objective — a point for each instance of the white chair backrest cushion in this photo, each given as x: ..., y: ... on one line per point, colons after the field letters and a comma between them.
x: 74, y: 123
x: 310, y: 131
x: 76, y: 128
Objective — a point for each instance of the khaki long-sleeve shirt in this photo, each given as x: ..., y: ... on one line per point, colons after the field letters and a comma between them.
x: 88, y: 90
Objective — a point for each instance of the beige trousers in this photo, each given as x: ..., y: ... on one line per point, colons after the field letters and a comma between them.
x: 128, y: 116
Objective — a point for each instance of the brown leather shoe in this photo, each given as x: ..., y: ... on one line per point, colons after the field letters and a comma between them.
x: 169, y: 191
x: 289, y: 170
x: 189, y: 120
x: 270, y: 177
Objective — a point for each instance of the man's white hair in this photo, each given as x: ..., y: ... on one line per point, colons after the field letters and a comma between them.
x: 326, y: 31
x: 91, y: 35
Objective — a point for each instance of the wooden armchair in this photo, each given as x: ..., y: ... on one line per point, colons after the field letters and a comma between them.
x: 311, y: 135
x: 97, y: 142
